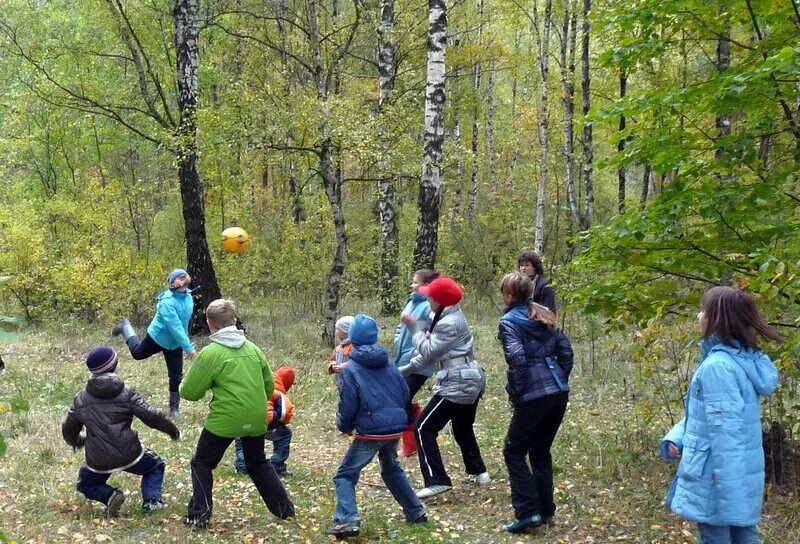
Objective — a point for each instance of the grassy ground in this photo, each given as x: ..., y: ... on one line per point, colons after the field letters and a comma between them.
x: 610, y: 484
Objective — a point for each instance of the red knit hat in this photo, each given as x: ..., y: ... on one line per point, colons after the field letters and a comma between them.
x: 444, y: 291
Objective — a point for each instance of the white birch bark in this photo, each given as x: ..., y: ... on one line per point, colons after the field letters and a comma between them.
x: 430, y: 193
x: 386, y: 202
x: 544, y: 124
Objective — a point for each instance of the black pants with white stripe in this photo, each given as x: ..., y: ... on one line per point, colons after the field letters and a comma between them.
x: 432, y: 420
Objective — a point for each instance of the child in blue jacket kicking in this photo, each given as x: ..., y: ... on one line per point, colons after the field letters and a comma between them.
x: 720, y: 479
x: 168, y: 332
x: 375, y: 403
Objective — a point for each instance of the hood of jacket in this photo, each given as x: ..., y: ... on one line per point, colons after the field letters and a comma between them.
x: 518, y: 314
x: 284, y: 378
x: 370, y: 356
x: 230, y: 337
x: 756, y: 365
x: 105, y: 386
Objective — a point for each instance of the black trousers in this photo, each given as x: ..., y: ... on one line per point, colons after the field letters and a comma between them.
x: 415, y: 383
x: 434, y: 417
x: 148, y: 347
x: 209, y: 452
x: 530, y: 435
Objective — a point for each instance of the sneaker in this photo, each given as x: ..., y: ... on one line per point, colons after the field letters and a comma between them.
x: 483, y: 478
x: 151, y: 506
x: 284, y: 474
x: 550, y: 520
x: 344, y: 529
x: 433, y: 490
x: 422, y: 519
x: 524, y: 524
x: 114, y: 503
x: 200, y: 522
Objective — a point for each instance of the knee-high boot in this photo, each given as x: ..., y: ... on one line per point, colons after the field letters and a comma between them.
x: 174, y: 404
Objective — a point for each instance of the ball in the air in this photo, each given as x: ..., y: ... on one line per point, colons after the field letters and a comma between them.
x: 235, y: 240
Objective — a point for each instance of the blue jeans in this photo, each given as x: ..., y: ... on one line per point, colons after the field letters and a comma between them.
x: 281, y: 438
x: 359, y: 455
x: 150, y: 467
x: 727, y: 534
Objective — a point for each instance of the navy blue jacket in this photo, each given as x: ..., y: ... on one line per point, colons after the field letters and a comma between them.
x: 373, y: 396
x: 526, y: 345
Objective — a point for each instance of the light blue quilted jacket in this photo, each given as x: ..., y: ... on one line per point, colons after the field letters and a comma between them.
x: 720, y: 478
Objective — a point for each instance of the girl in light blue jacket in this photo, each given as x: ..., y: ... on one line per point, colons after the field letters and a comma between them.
x: 720, y: 479
x: 420, y: 309
x: 168, y: 332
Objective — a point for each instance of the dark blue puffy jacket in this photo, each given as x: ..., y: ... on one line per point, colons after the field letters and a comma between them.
x: 527, y: 345
x: 373, y: 396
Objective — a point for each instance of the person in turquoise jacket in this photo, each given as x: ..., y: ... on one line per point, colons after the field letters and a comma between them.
x: 240, y: 380
x: 420, y: 309
x: 720, y: 479
x: 168, y: 332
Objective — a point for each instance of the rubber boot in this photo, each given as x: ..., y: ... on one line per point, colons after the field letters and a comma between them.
x: 124, y: 328
x: 174, y: 404
x: 409, y: 440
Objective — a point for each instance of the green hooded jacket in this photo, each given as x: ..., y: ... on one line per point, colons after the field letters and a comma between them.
x: 240, y: 380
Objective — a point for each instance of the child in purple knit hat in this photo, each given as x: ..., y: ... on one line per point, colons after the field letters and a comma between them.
x: 106, y: 408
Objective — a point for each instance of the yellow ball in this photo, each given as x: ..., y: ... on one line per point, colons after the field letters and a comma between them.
x: 235, y: 240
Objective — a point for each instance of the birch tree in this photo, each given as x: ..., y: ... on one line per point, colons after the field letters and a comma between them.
x: 186, y: 17
x: 386, y: 200
x: 430, y: 190
x: 544, y: 122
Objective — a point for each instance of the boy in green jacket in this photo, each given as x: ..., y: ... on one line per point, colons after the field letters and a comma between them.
x: 240, y: 380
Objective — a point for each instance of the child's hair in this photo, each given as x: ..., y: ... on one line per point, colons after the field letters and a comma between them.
x: 426, y: 275
x: 731, y: 314
x: 520, y: 288
x: 221, y: 313
x: 533, y: 258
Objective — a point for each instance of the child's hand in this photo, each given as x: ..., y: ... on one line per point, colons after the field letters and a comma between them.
x: 673, y: 450
x: 191, y: 355
x: 408, y: 320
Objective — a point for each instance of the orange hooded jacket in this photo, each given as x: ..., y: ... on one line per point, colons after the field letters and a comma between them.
x: 279, y: 408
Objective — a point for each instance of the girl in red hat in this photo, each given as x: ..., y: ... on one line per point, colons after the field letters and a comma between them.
x: 457, y: 388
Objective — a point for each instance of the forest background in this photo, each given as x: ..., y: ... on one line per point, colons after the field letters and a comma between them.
x: 646, y: 149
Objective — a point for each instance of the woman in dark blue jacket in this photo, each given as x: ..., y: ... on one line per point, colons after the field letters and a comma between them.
x: 539, y: 358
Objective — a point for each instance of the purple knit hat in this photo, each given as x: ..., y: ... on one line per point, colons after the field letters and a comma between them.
x: 101, y: 359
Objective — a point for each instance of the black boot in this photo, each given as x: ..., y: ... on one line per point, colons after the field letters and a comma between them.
x: 174, y: 404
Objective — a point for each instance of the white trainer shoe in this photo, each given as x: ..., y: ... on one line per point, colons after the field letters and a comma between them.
x: 483, y: 478
x: 432, y: 490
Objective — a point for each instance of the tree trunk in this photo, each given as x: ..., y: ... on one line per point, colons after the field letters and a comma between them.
x: 544, y: 124
x: 198, y: 257
x: 430, y: 191
x: 330, y: 180
x: 588, y: 143
x: 333, y: 190
x: 490, y: 158
x: 390, y: 303
x: 723, y: 121
x: 295, y: 189
x: 621, y: 174
x: 568, y: 41
x: 647, y: 183
x: 476, y: 109
x: 459, y: 164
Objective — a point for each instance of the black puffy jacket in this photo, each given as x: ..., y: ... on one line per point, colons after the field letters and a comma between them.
x: 527, y: 345
x: 106, y: 408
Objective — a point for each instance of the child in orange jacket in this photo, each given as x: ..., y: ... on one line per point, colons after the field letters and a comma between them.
x: 279, y: 414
